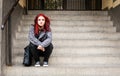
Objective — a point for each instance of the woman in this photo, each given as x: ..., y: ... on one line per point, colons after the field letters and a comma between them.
x: 40, y: 37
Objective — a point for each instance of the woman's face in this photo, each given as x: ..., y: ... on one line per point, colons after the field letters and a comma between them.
x: 41, y: 21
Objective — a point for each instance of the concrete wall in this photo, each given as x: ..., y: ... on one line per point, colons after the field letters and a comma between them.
x: 114, y: 7
x: 110, y: 4
x: 6, y: 5
x: 115, y: 15
x: 0, y: 36
x: 116, y: 3
x: 15, y: 18
x: 22, y: 3
x: 107, y: 4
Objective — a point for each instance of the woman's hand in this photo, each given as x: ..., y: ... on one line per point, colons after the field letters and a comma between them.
x: 41, y: 48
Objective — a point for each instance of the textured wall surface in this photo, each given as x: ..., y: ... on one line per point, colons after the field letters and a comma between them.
x: 22, y: 3
x: 0, y: 34
x: 107, y: 4
x: 110, y: 3
x: 115, y: 16
x: 5, y: 6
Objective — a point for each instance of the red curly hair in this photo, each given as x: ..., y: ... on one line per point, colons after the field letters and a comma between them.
x: 46, y: 26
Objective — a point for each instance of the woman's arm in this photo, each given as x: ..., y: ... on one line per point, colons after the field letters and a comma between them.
x: 47, y: 41
x: 32, y: 37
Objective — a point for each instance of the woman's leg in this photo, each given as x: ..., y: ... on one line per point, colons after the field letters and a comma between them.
x: 47, y: 52
x: 35, y: 52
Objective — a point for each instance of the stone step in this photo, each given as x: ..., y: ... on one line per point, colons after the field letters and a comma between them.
x: 75, y: 66
x: 69, y: 12
x: 83, y: 43
x: 75, y: 23
x: 74, y: 43
x: 60, y: 71
x: 67, y: 17
x: 77, y: 60
x: 87, y: 36
x: 70, y: 35
x: 97, y: 23
x: 74, y: 29
x: 53, y: 25
x: 93, y: 51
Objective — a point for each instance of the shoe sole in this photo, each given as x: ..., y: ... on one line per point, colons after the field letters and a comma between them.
x: 45, y: 65
x: 37, y: 65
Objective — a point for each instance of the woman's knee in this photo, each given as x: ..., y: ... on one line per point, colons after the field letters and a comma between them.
x: 50, y: 47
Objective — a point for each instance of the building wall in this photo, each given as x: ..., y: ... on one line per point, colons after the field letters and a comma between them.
x: 107, y: 4
x: 16, y: 17
x: 116, y: 3
x: 0, y: 36
x: 110, y: 4
x: 115, y: 16
x: 113, y: 6
x: 22, y: 3
x: 5, y: 6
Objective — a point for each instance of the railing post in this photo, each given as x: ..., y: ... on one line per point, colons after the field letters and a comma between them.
x: 56, y: 5
x: 64, y: 4
x: 26, y: 8
x: 8, y: 43
x: 42, y: 4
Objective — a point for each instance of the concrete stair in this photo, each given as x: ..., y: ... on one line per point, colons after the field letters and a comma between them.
x: 61, y: 71
x: 75, y: 23
x: 67, y: 17
x: 85, y: 44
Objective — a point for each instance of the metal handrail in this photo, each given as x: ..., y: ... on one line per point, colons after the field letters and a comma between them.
x: 26, y: 8
x: 7, y: 34
x: 8, y: 15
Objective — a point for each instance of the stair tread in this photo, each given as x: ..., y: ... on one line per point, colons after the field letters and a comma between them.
x: 80, y: 43
x: 89, y: 66
x: 73, y: 28
x: 78, y: 23
x: 77, y: 35
x: 70, y: 12
x: 81, y: 60
x: 61, y: 71
x: 67, y: 17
